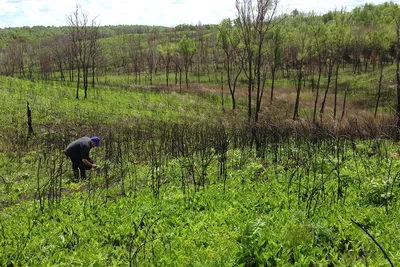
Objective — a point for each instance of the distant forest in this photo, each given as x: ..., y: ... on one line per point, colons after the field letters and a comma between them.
x: 255, y: 49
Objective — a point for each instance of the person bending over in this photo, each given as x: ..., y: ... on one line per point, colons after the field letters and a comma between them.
x: 78, y: 152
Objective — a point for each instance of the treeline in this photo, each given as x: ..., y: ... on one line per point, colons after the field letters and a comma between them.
x: 36, y: 33
x: 256, y: 48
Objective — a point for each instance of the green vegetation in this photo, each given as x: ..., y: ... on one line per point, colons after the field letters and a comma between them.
x: 204, y: 162
x: 54, y: 103
x: 176, y: 190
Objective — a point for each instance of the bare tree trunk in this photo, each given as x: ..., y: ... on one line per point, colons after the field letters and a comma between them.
x: 222, y: 89
x: 176, y: 75
x: 71, y: 70
x: 317, y: 93
x: 250, y: 80
x: 299, y: 80
x: 187, y: 77
x: 93, y: 73
x: 379, y: 91
x: 260, y: 88
x: 336, y: 90
x: 62, y: 77
x: 29, y: 114
x: 312, y: 77
x: 330, y: 67
x: 180, y: 80
x: 198, y: 72
x: 273, y: 71
x: 78, y: 82
x: 344, y: 102
x: 167, y: 72
x: 85, y: 80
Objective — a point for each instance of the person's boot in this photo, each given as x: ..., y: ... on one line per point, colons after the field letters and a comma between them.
x: 83, y: 174
x: 76, y: 174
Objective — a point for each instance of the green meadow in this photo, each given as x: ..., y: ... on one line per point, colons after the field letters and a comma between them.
x: 266, y: 140
x: 184, y: 182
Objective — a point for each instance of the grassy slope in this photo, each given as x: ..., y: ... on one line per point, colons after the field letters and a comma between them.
x: 56, y: 103
x: 262, y: 220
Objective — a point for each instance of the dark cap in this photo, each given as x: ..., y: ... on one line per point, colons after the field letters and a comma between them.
x: 96, y: 140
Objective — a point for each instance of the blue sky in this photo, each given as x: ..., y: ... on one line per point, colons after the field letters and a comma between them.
x: 18, y: 13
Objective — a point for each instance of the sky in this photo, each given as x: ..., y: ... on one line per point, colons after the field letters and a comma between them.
x: 19, y: 13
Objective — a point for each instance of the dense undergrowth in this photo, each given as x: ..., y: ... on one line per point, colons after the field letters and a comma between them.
x: 189, y: 188
x: 296, y: 209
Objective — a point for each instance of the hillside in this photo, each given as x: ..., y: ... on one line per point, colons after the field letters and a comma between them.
x: 248, y: 143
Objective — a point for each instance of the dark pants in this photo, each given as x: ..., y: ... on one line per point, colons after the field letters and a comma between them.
x: 79, y: 166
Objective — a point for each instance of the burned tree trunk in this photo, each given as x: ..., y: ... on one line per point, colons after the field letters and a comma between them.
x: 29, y: 114
x: 344, y: 102
x: 336, y: 89
x: 317, y: 93
x: 298, y: 89
x: 330, y: 67
x: 379, y: 91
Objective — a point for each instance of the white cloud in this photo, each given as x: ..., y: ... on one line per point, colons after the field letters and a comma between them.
x: 322, y: 6
x: 146, y: 12
x: 6, y: 7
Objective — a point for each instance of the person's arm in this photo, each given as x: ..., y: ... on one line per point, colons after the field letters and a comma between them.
x: 88, y: 163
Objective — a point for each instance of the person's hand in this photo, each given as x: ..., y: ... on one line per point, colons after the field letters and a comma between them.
x: 94, y: 166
